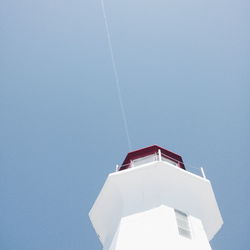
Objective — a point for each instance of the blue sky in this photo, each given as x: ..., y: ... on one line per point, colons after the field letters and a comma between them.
x: 184, y: 76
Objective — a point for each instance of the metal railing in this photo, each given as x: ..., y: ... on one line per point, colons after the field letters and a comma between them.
x: 159, y: 156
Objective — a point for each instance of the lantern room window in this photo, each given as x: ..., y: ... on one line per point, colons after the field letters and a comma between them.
x: 146, y: 159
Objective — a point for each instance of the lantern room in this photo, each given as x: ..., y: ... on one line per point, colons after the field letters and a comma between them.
x: 151, y: 154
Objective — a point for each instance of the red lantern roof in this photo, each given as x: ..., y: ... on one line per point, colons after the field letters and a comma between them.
x: 144, y: 152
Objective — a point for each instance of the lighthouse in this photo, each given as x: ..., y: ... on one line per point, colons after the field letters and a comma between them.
x: 152, y: 202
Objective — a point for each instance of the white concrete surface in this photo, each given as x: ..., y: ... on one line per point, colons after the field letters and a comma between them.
x: 143, y: 198
x: 156, y: 229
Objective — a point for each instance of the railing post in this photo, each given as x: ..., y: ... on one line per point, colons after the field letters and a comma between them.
x: 117, y: 168
x: 159, y: 153
x: 131, y: 164
x: 203, y: 173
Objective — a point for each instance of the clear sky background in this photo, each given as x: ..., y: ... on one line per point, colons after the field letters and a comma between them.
x: 184, y: 72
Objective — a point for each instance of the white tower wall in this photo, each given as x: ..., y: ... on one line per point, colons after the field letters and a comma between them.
x: 156, y: 229
x: 136, y: 209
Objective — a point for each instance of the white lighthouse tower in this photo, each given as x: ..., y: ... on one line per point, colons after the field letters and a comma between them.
x: 153, y: 203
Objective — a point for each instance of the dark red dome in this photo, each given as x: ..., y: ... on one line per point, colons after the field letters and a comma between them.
x: 140, y: 153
